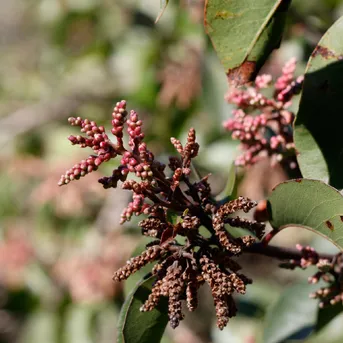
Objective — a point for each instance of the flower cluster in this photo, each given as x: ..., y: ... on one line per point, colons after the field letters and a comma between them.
x: 264, y: 124
x: 179, y: 268
x: 330, y: 270
x: 86, y: 276
x: 98, y: 140
x: 16, y: 253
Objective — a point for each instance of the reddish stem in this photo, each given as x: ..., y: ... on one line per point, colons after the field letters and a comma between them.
x: 269, y: 236
x: 280, y: 252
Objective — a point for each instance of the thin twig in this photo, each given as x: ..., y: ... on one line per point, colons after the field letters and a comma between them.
x: 280, y: 253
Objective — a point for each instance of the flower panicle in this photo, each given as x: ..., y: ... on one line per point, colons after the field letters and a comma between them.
x: 329, y: 271
x: 263, y: 124
x: 179, y: 269
x: 96, y: 139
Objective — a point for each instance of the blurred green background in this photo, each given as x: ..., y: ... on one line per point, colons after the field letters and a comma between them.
x: 60, y: 246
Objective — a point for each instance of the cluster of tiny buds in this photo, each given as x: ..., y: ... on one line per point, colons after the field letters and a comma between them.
x: 96, y: 139
x: 80, y: 169
x: 119, y: 116
x: 136, y: 206
x: 134, y: 129
x: 329, y: 270
x: 180, y: 269
x: 141, y: 170
x: 189, y: 151
x: 264, y: 124
x: 135, y: 159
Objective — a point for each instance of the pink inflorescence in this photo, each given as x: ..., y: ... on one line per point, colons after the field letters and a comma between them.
x: 16, y: 252
x: 264, y: 124
x: 180, y: 269
x: 135, y: 159
x: 97, y: 140
x: 329, y: 271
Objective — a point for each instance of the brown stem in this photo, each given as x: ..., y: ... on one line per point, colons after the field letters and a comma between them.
x: 269, y: 236
x: 165, y: 185
x: 280, y: 252
x: 192, y: 191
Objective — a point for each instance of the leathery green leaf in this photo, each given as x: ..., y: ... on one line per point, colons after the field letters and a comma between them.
x: 293, y: 316
x: 326, y: 314
x: 310, y: 204
x: 318, y: 125
x: 163, y: 6
x: 230, y: 184
x: 142, y: 327
x: 244, y: 33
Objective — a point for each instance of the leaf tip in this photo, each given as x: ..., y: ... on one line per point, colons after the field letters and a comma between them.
x: 164, y: 4
x: 242, y: 74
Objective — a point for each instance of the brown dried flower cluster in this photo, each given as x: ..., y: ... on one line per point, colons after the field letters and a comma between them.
x: 330, y: 270
x: 180, y: 268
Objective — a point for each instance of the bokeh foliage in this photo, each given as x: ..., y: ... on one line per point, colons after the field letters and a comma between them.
x: 59, y: 247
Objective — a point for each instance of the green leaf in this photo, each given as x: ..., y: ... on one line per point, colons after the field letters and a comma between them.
x: 331, y: 333
x: 293, y: 316
x: 163, y: 6
x: 310, y: 204
x: 41, y: 326
x: 172, y: 217
x: 326, y: 314
x: 142, y: 327
x: 78, y: 323
x: 230, y: 184
x: 244, y: 33
x: 317, y: 135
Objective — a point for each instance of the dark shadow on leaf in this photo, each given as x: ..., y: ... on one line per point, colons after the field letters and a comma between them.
x: 321, y: 113
x: 300, y: 335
